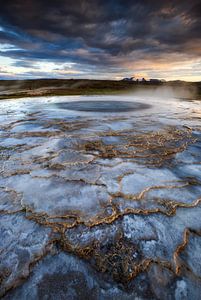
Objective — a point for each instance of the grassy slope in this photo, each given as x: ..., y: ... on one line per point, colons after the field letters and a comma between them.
x: 52, y: 87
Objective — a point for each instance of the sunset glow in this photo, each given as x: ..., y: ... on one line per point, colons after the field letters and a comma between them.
x: 100, y: 39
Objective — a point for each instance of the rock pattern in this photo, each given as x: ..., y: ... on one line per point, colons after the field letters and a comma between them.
x: 100, y: 205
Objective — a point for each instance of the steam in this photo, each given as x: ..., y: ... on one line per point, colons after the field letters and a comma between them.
x: 186, y: 91
x: 166, y: 92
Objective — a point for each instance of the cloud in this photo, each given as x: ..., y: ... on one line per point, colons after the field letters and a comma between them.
x: 100, y: 36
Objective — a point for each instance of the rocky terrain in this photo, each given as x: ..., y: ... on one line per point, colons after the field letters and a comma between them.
x: 100, y: 198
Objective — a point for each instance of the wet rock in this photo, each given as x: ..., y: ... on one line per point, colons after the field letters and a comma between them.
x: 114, y: 196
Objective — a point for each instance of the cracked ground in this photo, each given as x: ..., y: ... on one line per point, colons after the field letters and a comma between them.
x: 101, y: 199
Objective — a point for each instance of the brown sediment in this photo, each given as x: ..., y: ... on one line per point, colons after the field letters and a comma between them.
x: 154, y: 148
x: 181, y: 247
x: 147, y: 148
x: 115, y: 259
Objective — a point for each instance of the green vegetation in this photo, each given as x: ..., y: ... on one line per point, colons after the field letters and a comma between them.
x: 61, y: 87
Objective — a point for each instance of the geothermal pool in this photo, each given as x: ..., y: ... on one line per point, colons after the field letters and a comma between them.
x: 100, y: 198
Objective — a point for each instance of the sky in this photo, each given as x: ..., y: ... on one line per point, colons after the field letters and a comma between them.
x: 100, y: 39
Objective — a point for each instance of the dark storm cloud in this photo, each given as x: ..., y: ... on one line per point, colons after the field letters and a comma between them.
x: 101, y: 33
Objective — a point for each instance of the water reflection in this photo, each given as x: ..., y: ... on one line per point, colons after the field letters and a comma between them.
x: 103, y: 106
